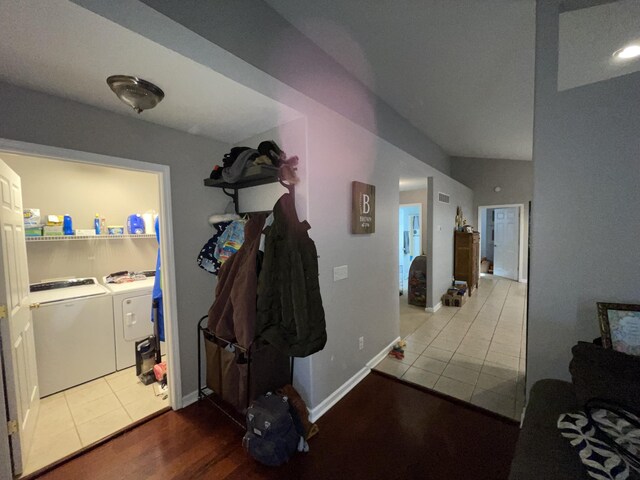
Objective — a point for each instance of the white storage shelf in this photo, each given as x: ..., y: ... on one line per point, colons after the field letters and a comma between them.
x: 54, y: 238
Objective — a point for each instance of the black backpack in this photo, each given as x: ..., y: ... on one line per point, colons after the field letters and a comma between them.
x: 271, y: 436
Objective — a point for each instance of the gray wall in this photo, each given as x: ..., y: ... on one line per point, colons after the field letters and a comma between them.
x: 586, y: 220
x: 441, y: 235
x: 253, y: 31
x: 34, y: 117
x: 482, y: 175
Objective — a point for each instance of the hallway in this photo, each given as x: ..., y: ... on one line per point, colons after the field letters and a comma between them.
x: 475, y: 353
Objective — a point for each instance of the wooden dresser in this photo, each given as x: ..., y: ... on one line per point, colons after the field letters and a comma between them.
x: 466, y: 260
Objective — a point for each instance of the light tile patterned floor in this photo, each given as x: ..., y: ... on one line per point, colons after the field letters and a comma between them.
x: 474, y: 353
x: 78, y: 417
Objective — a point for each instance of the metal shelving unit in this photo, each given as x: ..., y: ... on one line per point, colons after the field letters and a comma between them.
x: 63, y: 238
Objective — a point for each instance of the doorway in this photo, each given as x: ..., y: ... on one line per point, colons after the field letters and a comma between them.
x: 410, y: 240
x: 79, y: 404
x: 502, y: 243
x: 412, y: 243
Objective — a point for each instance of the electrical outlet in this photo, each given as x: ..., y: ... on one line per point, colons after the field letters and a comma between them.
x: 340, y: 273
x: 360, y: 343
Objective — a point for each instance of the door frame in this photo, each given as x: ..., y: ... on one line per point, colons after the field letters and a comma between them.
x: 521, y: 242
x: 167, y: 256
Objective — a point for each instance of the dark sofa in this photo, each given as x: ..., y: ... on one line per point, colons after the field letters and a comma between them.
x: 541, y: 452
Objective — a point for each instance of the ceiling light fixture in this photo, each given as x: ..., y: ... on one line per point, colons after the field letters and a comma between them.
x: 497, y: 189
x: 628, y: 52
x: 135, y: 92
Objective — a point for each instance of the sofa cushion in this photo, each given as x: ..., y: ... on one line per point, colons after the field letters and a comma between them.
x: 541, y: 451
x: 605, y: 373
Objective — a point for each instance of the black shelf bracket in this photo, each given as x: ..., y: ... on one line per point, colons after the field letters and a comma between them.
x: 234, y: 197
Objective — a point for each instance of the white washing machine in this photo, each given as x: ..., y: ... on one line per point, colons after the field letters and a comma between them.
x: 73, y: 330
x: 131, y: 317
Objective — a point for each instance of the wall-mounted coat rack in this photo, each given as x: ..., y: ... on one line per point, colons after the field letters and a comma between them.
x: 253, y: 176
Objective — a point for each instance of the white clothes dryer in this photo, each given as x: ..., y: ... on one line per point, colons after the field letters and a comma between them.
x: 131, y: 317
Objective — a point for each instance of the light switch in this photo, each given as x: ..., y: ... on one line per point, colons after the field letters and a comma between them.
x: 340, y: 273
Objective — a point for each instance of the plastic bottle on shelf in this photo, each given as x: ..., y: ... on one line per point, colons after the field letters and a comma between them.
x: 67, y: 225
x: 96, y: 224
x: 148, y: 221
x: 103, y: 226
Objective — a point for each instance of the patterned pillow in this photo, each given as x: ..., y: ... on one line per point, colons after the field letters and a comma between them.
x: 597, y: 452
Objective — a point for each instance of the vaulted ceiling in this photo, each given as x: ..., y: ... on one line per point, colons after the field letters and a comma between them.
x: 462, y: 71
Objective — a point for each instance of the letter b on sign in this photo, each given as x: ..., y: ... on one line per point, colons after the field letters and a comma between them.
x: 366, y: 207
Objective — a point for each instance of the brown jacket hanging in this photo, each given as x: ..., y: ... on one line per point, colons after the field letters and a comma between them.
x: 233, y: 313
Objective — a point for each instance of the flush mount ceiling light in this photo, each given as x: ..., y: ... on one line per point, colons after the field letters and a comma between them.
x: 628, y: 52
x: 135, y: 92
x: 497, y: 189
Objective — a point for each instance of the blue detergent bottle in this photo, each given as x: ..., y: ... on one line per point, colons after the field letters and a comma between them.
x: 67, y: 225
x: 96, y: 224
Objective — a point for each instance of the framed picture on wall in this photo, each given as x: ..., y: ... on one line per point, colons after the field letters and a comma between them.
x: 363, y: 208
x: 620, y: 326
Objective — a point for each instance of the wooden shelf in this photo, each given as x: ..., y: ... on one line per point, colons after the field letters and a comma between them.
x: 62, y: 238
x: 254, y: 176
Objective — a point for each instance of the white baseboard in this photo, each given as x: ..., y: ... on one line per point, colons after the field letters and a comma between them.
x: 433, y: 309
x: 331, y: 400
x: 383, y: 353
x: 522, y: 280
x: 324, y: 406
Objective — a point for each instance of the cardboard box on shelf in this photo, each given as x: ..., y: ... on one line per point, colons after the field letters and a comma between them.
x: 33, y: 231
x: 52, y: 230
x: 31, y: 217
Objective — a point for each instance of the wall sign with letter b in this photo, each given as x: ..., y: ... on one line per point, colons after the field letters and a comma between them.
x: 363, y: 208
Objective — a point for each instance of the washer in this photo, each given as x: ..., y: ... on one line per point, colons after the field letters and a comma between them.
x: 131, y: 317
x: 73, y: 330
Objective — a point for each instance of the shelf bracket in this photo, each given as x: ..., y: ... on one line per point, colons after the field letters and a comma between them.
x: 234, y: 198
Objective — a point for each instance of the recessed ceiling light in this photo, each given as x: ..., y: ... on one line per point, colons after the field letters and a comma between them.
x: 628, y: 52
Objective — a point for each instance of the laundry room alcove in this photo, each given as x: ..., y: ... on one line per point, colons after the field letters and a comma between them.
x: 85, y: 327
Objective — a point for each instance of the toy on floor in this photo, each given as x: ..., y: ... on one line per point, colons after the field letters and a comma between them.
x: 398, y: 350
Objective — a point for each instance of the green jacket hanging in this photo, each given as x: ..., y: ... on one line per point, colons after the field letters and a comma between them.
x: 290, y: 314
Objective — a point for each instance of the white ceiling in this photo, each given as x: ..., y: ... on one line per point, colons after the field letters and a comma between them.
x: 462, y: 71
x: 589, y: 37
x: 60, y: 48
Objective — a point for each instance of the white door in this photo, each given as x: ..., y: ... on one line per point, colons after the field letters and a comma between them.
x: 16, y: 328
x: 505, y: 246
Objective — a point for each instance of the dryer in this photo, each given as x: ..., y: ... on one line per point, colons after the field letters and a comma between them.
x: 73, y: 331
x: 131, y: 317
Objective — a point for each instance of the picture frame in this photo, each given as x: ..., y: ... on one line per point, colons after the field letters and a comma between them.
x: 363, y: 208
x: 620, y: 327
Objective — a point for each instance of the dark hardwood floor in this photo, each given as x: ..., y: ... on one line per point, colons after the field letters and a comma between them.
x: 383, y: 429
